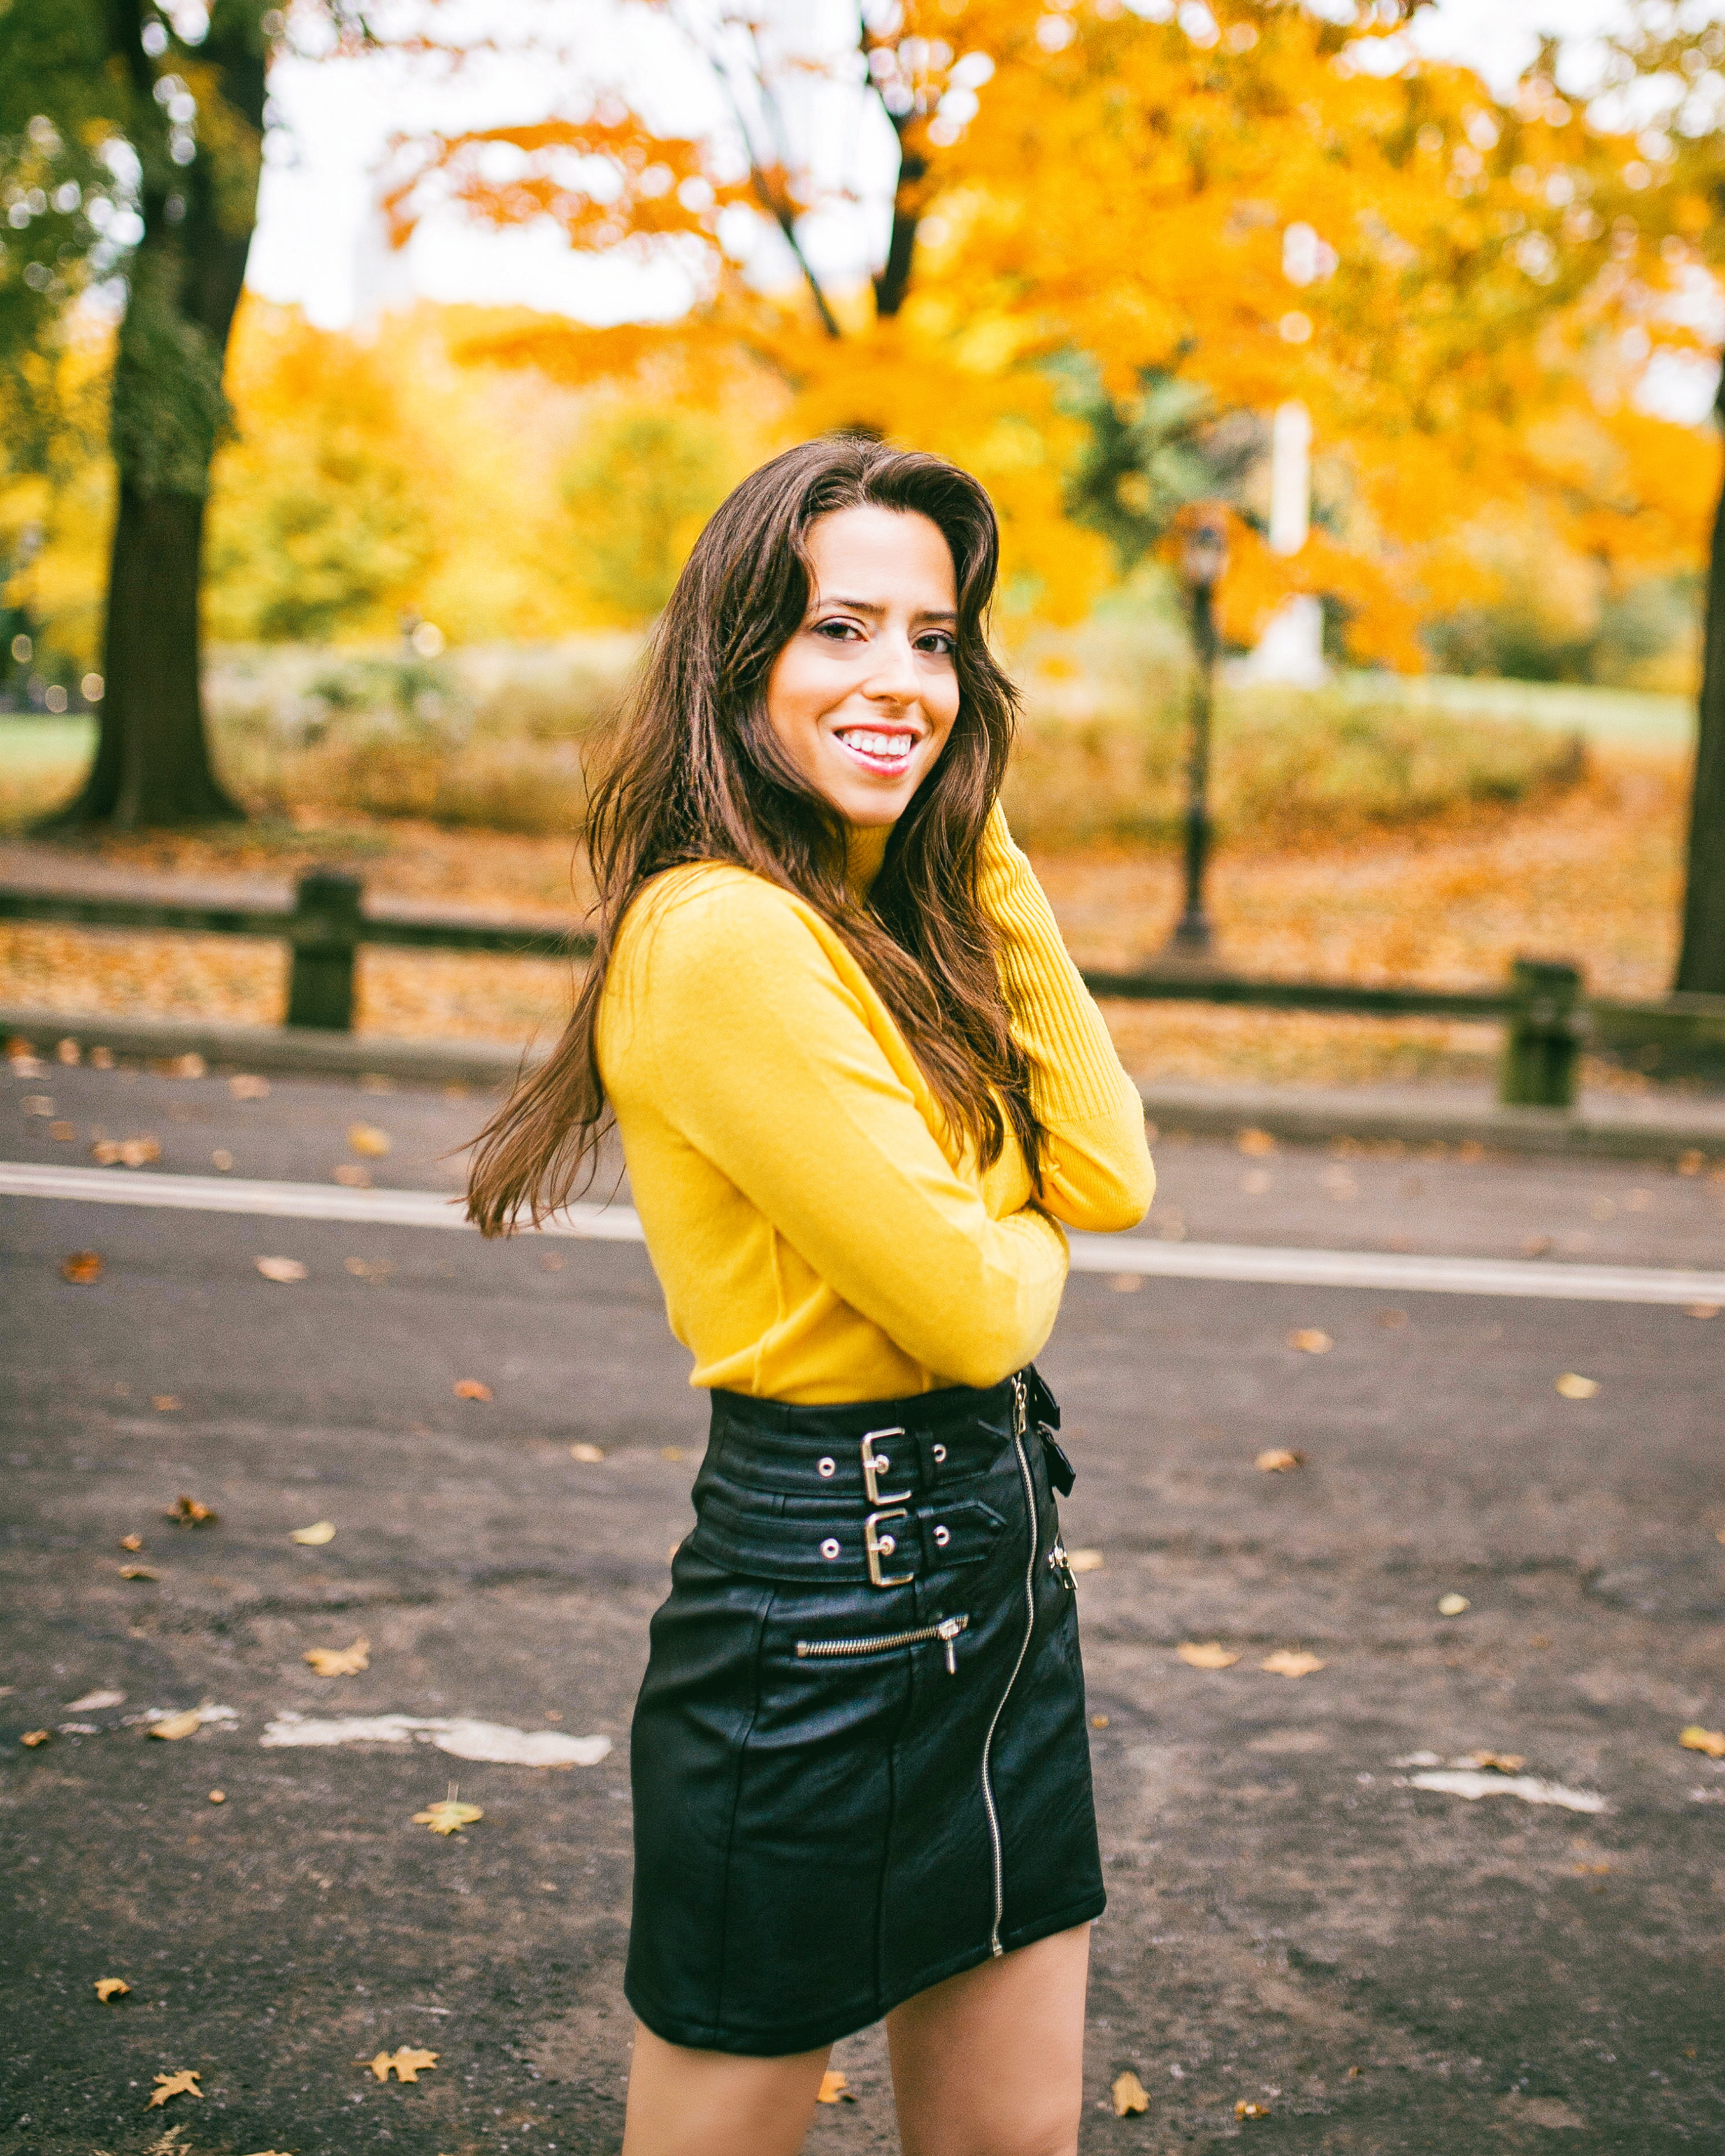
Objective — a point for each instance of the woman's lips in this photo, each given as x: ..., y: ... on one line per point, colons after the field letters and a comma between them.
x: 887, y: 753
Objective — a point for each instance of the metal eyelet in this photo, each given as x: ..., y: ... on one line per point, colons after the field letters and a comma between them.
x: 886, y: 1545
x: 940, y: 1454
x: 826, y: 1467
x: 829, y: 1547
x: 942, y: 1536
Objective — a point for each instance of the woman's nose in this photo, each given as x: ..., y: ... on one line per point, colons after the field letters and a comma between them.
x: 894, y: 673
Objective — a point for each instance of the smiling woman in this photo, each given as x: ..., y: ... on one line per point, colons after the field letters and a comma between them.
x: 858, y: 1084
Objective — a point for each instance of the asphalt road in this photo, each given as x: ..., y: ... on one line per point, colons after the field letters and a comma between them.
x: 1294, y: 1924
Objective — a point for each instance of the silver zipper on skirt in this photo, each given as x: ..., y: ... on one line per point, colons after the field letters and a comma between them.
x: 1019, y: 1421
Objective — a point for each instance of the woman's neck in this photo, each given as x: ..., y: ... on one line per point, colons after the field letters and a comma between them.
x: 865, y: 850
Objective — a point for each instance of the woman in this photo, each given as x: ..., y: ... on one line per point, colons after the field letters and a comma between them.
x: 858, y: 1081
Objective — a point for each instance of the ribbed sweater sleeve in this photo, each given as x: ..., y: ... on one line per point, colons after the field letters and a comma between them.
x: 1096, y: 1171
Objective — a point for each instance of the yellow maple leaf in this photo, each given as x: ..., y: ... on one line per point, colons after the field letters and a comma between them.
x: 1130, y: 2095
x: 183, y: 2083
x: 408, y: 2064
x: 446, y: 1816
x: 1206, y: 1654
x: 340, y: 1661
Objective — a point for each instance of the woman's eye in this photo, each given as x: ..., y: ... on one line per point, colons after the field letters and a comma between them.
x: 840, y: 632
x: 939, y: 642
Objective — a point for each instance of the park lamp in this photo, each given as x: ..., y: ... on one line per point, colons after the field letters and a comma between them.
x: 1203, y: 552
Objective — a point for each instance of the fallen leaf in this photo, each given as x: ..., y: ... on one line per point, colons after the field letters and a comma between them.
x: 1700, y: 1310
x: 1453, y: 1606
x: 366, y: 1140
x: 671, y: 1452
x: 446, y: 1816
x: 166, y: 1404
x: 340, y: 1661
x: 112, y: 1987
x: 1690, y: 1162
x: 833, y: 2089
x: 284, y: 1270
x: 1311, y: 1342
x: 1256, y: 1145
x: 68, y: 1051
x: 1206, y: 1654
x: 591, y: 1455
x: 131, y: 1542
x: 81, y: 1268
x: 1497, y: 1762
x: 101, y: 1058
x: 351, y: 1175
x: 408, y: 2064
x: 320, y: 1531
x: 218, y: 1796
x: 221, y: 1158
x: 1278, y: 1462
x: 136, y: 1572
x: 187, y: 1511
x: 93, y: 1702
x: 126, y: 1152
x: 1099, y: 1722
x: 1244, y: 2110
x: 243, y: 1086
x: 1291, y: 1662
x: 173, y: 1726
x: 63, y: 1133
x: 1694, y: 1739
x: 1130, y: 2095
x: 470, y: 1389
x: 1084, y: 1560
x: 32, y: 1737
x: 188, y: 1065
x: 1574, y: 1388
x: 180, y: 2084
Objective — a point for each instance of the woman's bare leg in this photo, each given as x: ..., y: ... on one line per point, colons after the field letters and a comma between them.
x: 991, y: 2063
x: 683, y: 2103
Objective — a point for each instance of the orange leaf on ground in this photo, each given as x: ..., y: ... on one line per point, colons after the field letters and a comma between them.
x: 1130, y: 2095
x: 284, y: 1270
x: 166, y: 1403
x: 1497, y: 1762
x: 32, y: 1737
x: 833, y: 2089
x: 1278, y: 1462
x: 590, y: 1456
x: 131, y: 1542
x: 1291, y: 1662
x: 1206, y: 1654
x: 172, y: 1726
x: 184, y: 2083
x: 1694, y: 1739
x: 1244, y: 2110
x: 408, y: 2064
x: 1573, y: 1387
x: 136, y: 1572
x: 369, y: 1142
x: 81, y: 1268
x: 1256, y: 1145
x: 1310, y: 1340
x: 189, y: 1512
x: 470, y: 1389
x: 112, y: 1987
x: 340, y: 1661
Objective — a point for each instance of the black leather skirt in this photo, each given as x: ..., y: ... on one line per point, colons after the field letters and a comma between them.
x: 860, y: 1762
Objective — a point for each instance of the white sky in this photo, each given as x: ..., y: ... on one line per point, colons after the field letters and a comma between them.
x: 316, y: 241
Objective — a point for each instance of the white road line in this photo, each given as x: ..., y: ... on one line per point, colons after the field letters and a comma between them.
x: 1396, y: 1271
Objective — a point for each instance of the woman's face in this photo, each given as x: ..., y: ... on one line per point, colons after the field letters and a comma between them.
x: 863, y: 695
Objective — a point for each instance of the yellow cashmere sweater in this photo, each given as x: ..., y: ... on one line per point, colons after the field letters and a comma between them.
x: 817, y: 1239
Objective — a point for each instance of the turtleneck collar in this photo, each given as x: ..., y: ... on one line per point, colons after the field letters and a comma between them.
x: 865, y: 850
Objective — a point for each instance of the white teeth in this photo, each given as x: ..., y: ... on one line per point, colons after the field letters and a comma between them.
x: 890, y: 748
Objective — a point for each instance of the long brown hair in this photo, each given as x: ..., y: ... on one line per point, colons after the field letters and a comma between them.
x: 694, y: 772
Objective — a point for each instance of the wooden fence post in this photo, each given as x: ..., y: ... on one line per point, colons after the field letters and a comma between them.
x: 325, y: 929
x: 1542, y: 1043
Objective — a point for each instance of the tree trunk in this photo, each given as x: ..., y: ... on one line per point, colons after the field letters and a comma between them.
x: 152, y: 765
x: 1701, y: 966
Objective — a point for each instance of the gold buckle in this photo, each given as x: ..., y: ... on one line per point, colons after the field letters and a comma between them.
x: 873, y: 1469
x: 877, y: 1547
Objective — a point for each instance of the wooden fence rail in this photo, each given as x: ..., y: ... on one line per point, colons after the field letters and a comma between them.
x: 1546, y: 1016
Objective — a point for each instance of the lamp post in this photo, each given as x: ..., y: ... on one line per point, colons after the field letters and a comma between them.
x: 1204, y: 556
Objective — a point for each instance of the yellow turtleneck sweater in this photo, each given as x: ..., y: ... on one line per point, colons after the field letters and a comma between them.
x: 817, y: 1238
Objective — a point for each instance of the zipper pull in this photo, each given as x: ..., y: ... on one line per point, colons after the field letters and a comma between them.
x: 1019, y: 1408
x: 948, y: 1629
x: 1058, y: 1565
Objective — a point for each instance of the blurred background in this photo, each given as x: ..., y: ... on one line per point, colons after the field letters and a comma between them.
x: 1348, y: 366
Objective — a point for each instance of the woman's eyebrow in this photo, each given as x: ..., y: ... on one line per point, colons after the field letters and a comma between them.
x: 822, y: 601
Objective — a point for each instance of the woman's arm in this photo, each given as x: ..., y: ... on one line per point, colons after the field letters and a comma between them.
x: 1097, y: 1171
x: 760, y: 1057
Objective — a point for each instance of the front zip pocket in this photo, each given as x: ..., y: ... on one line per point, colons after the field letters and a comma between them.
x: 946, y: 1630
